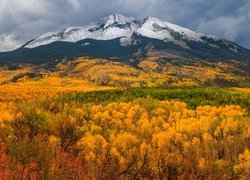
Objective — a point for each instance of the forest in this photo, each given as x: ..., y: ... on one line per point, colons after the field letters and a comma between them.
x: 126, y: 133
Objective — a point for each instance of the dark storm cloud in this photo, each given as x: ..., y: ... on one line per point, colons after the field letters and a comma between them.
x: 22, y: 20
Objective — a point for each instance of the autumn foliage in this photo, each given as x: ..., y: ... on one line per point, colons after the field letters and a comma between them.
x: 80, y: 120
x: 138, y: 139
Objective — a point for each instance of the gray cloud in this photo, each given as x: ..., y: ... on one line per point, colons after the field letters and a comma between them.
x: 21, y: 21
x: 8, y: 41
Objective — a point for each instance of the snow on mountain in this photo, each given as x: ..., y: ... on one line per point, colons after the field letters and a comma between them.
x: 118, y: 26
x: 116, y: 18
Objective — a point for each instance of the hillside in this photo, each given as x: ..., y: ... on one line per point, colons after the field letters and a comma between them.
x: 150, y: 72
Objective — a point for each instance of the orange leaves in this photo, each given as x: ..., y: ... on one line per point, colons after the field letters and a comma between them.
x: 242, y: 168
x: 145, y: 125
x: 186, y: 146
x: 19, y: 116
x: 7, y: 110
x: 196, y: 142
x: 6, y: 117
x: 207, y: 138
x: 92, y: 146
x: 13, y: 170
x: 168, y: 132
x: 227, y: 111
x: 229, y: 126
x: 124, y: 141
x: 85, y: 74
x: 139, y: 139
x: 47, y: 87
x: 143, y: 149
x: 3, y: 160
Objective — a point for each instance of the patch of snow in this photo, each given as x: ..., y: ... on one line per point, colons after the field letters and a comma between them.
x: 85, y: 44
x: 149, y: 29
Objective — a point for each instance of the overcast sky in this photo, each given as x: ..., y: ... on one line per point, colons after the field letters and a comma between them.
x: 23, y: 20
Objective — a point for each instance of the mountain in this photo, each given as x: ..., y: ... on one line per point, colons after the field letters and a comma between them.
x: 118, y: 26
x: 126, y: 39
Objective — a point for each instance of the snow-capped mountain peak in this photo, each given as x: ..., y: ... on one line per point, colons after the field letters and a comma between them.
x: 119, y: 26
x: 158, y: 29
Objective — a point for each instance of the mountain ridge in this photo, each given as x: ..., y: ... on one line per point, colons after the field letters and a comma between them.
x: 120, y: 38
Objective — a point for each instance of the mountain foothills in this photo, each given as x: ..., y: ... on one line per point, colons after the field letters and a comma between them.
x: 124, y: 98
x: 149, y: 73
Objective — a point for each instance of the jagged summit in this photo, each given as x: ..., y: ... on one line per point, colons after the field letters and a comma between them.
x: 115, y: 18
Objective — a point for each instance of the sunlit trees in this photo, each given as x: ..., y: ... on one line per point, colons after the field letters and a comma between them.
x: 242, y: 168
x: 52, y: 127
x: 141, y: 138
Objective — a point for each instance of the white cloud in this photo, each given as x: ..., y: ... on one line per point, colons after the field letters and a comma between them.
x: 8, y: 42
x: 75, y: 4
